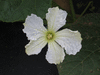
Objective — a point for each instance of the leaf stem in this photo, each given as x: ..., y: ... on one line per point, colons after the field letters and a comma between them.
x: 72, y: 10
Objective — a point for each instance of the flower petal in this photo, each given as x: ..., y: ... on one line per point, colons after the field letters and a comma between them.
x: 56, y: 18
x: 35, y: 46
x: 33, y: 27
x: 55, y: 53
x: 70, y: 40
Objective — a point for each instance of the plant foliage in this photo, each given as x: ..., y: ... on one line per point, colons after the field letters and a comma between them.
x: 17, y: 10
x: 87, y: 61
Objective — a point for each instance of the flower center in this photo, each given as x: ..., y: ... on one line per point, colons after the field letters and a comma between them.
x: 49, y: 36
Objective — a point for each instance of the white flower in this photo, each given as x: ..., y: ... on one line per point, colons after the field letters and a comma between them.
x: 39, y: 36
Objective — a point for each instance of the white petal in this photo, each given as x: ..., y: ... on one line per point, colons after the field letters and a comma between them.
x: 33, y: 27
x: 35, y: 46
x: 56, y: 18
x: 55, y: 53
x: 70, y: 40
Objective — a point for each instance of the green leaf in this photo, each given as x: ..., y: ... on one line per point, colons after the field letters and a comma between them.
x: 17, y: 10
x: 87, y: 61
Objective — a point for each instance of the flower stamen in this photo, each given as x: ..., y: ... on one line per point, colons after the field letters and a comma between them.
x: 49, y: 36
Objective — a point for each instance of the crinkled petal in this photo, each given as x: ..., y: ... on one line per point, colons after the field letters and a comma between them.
x: 70, y: 40
x: 35, y: 46
x: 56, y: 18
x: 33, y: 27
x: 55, y: 53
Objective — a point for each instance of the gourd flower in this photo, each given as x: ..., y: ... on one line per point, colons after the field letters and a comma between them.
x: 58, y: 41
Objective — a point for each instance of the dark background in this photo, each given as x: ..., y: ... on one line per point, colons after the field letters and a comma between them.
x: 14, y: 60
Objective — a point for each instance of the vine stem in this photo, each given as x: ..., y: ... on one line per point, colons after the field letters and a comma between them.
x: 85, y: 9
x: 72, y: 10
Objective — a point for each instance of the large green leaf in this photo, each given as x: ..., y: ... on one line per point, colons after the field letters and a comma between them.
x: 16, y: 10
x: 87, y: 61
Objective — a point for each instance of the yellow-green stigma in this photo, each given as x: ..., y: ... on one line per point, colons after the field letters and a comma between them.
x: 49, y: 36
